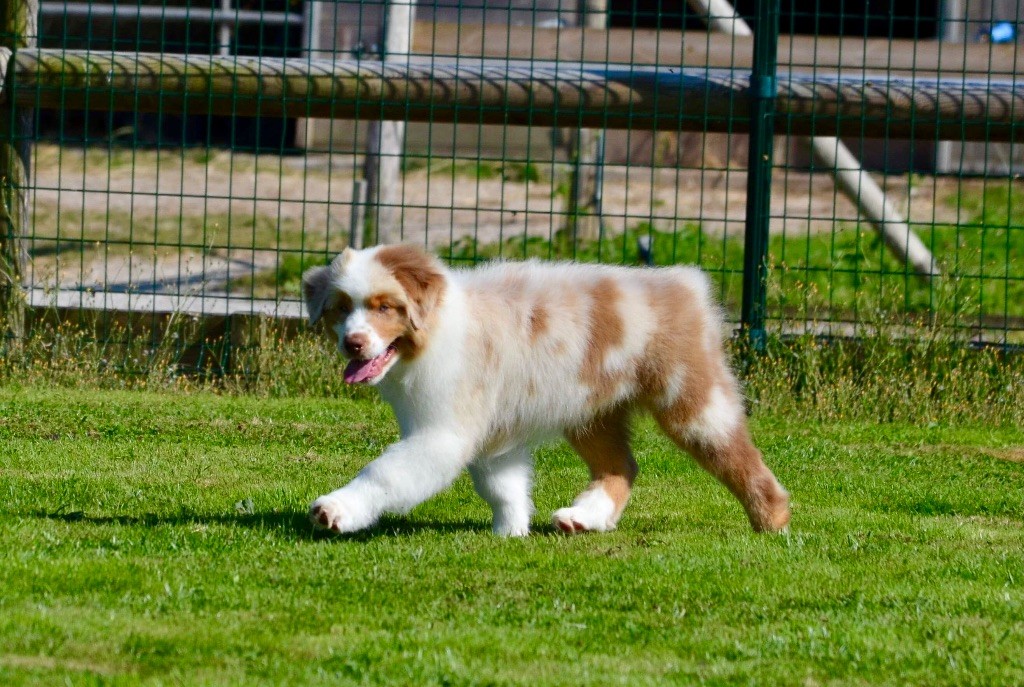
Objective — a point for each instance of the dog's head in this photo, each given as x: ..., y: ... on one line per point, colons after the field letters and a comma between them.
x: 379, y: 303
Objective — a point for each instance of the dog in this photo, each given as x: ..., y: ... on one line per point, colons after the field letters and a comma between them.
x: 482, y: 365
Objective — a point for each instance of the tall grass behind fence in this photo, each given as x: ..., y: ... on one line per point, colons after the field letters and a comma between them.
x: 160, y: 206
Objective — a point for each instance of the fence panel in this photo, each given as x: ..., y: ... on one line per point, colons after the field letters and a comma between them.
x: 191, y: 176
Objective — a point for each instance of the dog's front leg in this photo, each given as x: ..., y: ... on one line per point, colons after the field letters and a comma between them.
x: 406, y: 474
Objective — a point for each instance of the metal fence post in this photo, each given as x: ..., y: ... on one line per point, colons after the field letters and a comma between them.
x: 17, y: 30
x: 759, y: 174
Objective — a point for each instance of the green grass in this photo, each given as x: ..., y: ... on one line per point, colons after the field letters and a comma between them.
x: 160, y: 538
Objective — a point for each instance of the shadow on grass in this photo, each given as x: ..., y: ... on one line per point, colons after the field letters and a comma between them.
x: 295, y: 523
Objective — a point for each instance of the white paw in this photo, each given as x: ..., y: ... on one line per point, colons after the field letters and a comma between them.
x: 575, y: 520
x: 331, y: 514
x: 592, y: 511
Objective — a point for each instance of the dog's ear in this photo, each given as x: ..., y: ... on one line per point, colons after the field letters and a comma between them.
x: 316, y: 284
x: 421, y: 276
x: 316, y: 287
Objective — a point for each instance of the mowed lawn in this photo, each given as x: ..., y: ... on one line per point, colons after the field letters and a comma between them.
x: 161, y: 538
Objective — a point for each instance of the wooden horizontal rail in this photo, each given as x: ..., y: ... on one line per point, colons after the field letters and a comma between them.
x: 160, y: 304
x: 536, y: 94
x: 850, y: 56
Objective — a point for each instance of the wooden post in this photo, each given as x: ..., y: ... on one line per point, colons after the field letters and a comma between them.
x: 17, y: 30
x: 584, y: 195
x: 385, y: 139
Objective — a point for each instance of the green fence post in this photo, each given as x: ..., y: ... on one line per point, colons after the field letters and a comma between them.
x: 17, y: 30
x: 759, y: 174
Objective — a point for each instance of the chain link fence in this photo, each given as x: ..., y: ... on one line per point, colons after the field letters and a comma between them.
x: 835, y: 168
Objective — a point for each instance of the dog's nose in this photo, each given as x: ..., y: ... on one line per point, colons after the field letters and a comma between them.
x: 355, y: 344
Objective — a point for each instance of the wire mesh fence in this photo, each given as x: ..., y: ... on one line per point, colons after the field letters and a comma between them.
x: 187, y: 161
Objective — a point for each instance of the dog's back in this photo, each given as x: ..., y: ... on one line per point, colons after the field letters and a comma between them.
x: 566, y: 342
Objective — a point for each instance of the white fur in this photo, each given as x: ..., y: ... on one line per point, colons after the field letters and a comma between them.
x: 593, y: 510
x: 716, y: 422
x: 504, y: 482
x: 485, y: 388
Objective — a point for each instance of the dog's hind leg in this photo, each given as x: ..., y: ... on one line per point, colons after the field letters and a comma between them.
x: 604, y: 447
x: 718, y: 438
x: 505, y: 482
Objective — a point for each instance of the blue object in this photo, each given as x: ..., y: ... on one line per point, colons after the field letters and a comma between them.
x: 1002, y: 32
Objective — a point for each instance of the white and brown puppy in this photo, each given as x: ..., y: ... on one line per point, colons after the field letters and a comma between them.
x: 481, y: 365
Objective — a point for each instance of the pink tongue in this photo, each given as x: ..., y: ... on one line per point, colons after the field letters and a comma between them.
x: 361, y: 370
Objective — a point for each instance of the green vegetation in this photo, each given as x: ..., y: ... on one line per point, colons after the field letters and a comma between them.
x: 507, y: 170
x: 160, y: 538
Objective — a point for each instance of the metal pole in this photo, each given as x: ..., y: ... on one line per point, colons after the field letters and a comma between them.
x: 759, y: 176
x: 224, y: 29
x: 17, y: 30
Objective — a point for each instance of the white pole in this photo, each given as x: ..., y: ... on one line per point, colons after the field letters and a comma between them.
x: 584, y: 198
x: 312, y: 18
x: 224, y: 29
x: 383, y: 170
x: 850, y: 177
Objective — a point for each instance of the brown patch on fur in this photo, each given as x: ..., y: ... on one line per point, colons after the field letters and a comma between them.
x: 337, y: 311
x: 316, y: 291
x: 388, y: 316
x: 538, y: 322
x: 604, y: 447
x: 739, y: 466
x: 678, y: 345
x: 422, y: 278
x: 607, y: 330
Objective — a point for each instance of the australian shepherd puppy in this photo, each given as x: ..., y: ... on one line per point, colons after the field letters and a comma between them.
x: 481, y: 365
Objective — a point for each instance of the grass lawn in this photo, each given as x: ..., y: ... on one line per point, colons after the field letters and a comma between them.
x: 160, y: 538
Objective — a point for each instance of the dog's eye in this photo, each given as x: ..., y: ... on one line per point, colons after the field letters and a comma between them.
x: 383, y: 308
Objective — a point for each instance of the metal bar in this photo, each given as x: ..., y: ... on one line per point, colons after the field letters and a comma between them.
x: 190, y: 14
x: 762, y: 94
x: 224, y: 30
x: 596, y: 96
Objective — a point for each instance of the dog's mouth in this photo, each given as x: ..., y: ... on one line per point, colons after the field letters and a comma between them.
x: 372, y: 370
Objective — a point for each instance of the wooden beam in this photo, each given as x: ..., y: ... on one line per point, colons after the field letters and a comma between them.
x: 849, y: 56
x: 668, y: 99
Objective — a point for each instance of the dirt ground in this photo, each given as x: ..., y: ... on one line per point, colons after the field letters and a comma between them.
x: 185, y: 221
